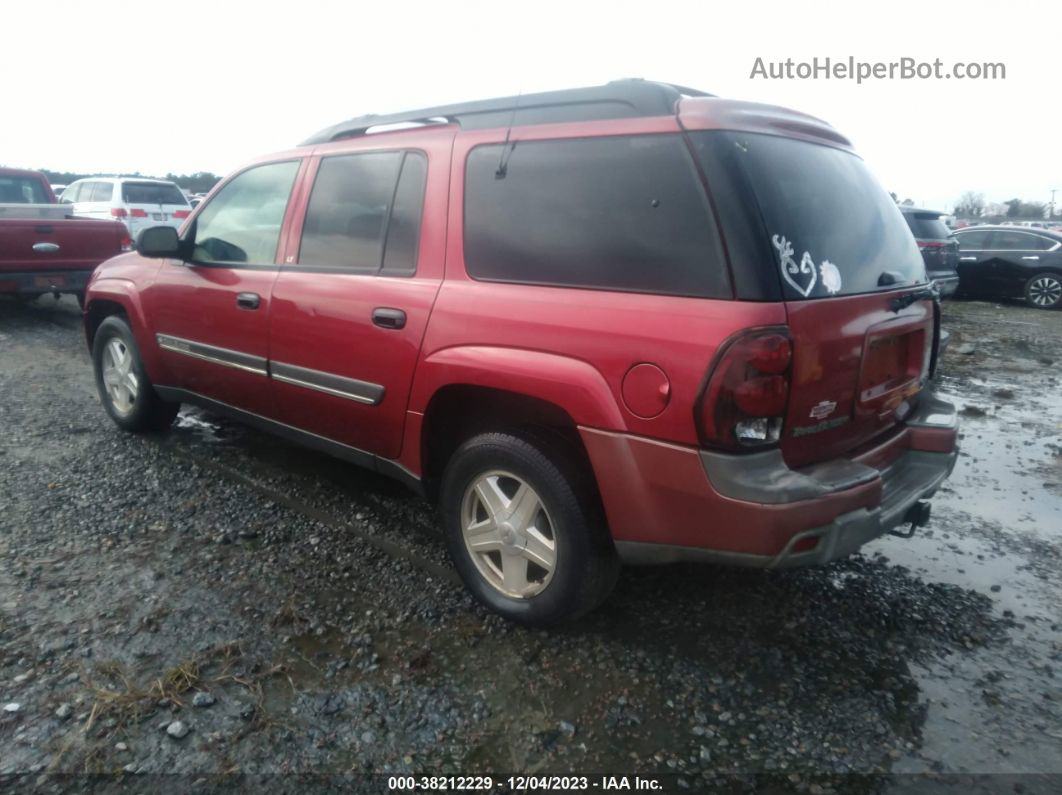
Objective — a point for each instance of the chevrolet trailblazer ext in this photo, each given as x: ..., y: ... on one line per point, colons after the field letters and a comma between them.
x: 634, y: 322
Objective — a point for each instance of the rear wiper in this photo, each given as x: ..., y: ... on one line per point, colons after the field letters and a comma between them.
x: 904, y: 301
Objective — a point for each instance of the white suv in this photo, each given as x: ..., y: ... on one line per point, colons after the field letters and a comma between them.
x: 135, y: 201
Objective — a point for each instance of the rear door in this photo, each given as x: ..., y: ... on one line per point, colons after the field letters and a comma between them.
x: 844, y: 255
x: 1012, y: 256
x: 211, y: 312
x: 351, y: 304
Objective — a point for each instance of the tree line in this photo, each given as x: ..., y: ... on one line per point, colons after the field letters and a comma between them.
x: 199, y: 182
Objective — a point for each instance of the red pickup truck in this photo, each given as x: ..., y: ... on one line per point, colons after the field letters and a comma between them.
x: 42, y: 248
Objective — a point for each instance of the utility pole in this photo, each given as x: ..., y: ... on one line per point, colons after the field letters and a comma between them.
x: 1052, y: 212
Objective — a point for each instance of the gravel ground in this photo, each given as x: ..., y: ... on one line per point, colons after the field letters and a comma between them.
x: 214, y: 609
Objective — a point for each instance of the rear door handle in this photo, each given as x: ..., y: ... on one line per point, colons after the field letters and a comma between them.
x: 248, y: 300
x: 1036, y: 258
x: 967, y: 259
x: 385, y: 317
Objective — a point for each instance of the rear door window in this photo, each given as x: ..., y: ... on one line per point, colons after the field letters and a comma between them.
x: 830, y: 226
x: 623, y: 213
x: 152, y: 193
x: 971, y: 241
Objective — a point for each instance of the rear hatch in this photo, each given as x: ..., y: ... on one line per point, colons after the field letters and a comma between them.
x: 155, y: 203
x: 940, y: 251
x: 843, y: 256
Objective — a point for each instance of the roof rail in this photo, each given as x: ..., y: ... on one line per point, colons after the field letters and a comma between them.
x: 618, y: 99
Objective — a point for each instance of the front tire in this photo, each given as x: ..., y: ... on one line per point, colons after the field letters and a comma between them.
x: 524, y: 529
x: 123, y: 385
x: 1044, y: 291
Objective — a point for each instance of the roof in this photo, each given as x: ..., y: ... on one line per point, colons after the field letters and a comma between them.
x: 1034, y: 230
x: 152, y: 180
x: 906, y: 208
x: 616, y: 100
x: 21, y: 172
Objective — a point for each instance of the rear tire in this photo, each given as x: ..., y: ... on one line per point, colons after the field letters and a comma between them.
x: 123, y: 385
x: 524, y: 529
x: 1044, y: 291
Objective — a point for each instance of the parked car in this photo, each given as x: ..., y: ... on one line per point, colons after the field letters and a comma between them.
x: 529, y: 310
x: 137, y: 202
x: 1011, y: 262
x: 940, y: 251
x: 42, y: 250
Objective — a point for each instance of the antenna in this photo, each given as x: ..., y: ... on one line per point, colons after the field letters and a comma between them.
x: 503, y: 159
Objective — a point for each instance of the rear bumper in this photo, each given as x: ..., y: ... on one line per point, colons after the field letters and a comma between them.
x: 40, y: 282
x: 947, y: 282
x: 667, y: 503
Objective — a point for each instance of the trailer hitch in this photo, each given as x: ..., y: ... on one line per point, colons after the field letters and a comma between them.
x: 917, y: 516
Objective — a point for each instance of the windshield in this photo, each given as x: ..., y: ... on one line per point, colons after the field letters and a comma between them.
x: 22, y: 190
x: 152, y: 193
x: 833, y: 230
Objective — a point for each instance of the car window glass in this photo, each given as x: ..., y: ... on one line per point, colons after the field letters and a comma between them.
x: 346, y: 218
x: 403, y: 231
x: 971, y: 241
x: 621, y: 213
x: 152, y: 193
x: 71, y: 193
x: 242, y: 221
x: 1015, y: 241
x: 102, y: 192
x: 22, y: 190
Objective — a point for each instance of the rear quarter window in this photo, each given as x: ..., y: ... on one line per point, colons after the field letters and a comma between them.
x: 831, y: 228
x: 623, y: 213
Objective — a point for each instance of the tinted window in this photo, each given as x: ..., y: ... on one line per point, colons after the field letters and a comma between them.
x: 101, y: 192
x: 618, y: 213
x: 1016, y: 241
x: 152, y: 193
x: 347, y: 216
x: 926, y: 226
x: 22, y: 190
x: 832, y: 228
x: 971, y: 241
x: 403, y: 232
x: 242, y: 221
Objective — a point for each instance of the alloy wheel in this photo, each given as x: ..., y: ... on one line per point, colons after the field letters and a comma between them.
x: 508, y: 534
x: 1045, y: 291
x: 119, y: 377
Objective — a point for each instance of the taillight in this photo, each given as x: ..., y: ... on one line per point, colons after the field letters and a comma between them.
x: 127, y: 243
x: 119, y: 212
x: 744, y: 400
x: 136, y: 213
x: 930, y: 244
x: 181, y: 213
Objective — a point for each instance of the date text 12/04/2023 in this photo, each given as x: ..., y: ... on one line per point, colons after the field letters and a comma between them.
x: 522, y: 783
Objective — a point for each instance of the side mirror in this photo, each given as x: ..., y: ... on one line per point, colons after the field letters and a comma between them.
x: 158, y: 241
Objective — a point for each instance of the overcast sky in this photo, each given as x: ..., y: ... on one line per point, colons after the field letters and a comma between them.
x: 204, y: 86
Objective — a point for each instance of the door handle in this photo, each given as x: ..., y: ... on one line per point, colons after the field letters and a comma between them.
x: 385, y: 317
x: 967, y: 259
x: 45, y: 248
x: 248, y: 300
x: 1036, y: 258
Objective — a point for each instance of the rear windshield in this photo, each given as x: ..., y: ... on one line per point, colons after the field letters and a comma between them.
x: 22, y: 190
x: 927, y: 226
x: 830, y: 227
x: 151, y: 193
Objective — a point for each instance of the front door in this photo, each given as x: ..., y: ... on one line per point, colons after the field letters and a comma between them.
x: 211, y: 312
x: 352, y: 301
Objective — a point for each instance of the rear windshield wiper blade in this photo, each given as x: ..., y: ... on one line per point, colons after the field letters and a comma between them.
x: 904, y: 301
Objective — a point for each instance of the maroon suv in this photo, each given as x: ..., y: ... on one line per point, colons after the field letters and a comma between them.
x: 632, y: 323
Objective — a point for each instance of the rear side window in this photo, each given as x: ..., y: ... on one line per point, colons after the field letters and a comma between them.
x: 618, y: 213
x: 152, y: 193
x: 403, y: 232
x: 971, y: 241
x: 927, y: 226
x: 830, y: 226
x: 101, y: 192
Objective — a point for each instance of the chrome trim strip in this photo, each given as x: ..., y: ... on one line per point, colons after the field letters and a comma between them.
x: 329, y: 383
x: 213, y: 354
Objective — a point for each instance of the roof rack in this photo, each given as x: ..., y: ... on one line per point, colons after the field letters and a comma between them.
x: 618, y: 99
